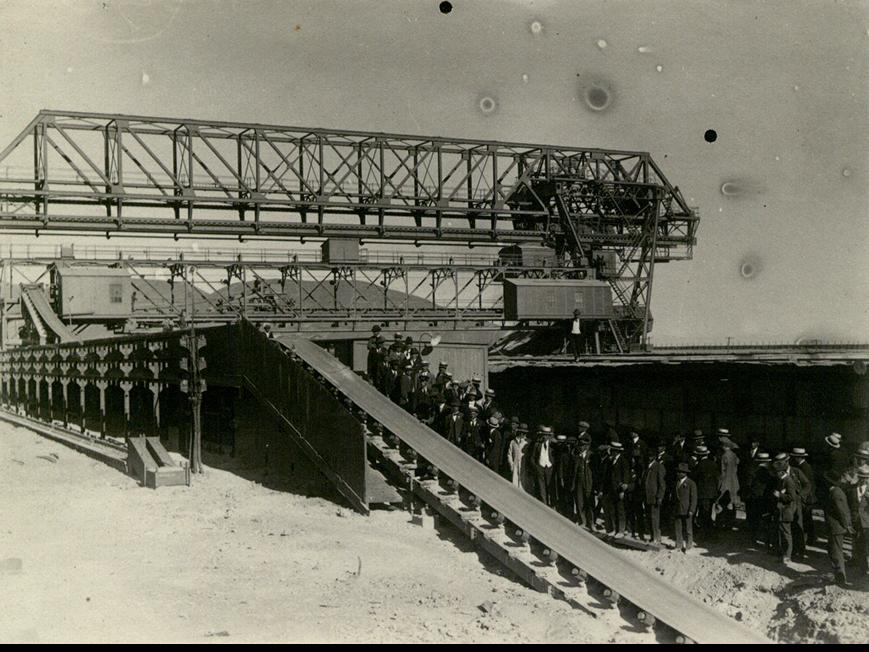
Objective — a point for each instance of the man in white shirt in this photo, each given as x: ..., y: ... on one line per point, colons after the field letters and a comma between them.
x: 576, y: 334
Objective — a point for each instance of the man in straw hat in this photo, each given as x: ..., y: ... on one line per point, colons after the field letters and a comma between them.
x: 517, y: 458
x: 834, y: 463
x: 802, y: 472
x: 787, y: 502
x: 706, y: 477
x: 684, y: 505
x: 616, y: 481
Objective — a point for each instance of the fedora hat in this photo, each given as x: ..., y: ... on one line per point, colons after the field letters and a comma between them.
x: 863, y: 450
x: 397, y: 336
x: 375, y: 328
x: 522, y: 427
x: 494, y: 421
x: 834, y: 440
x: 443, y: 365
x: 683, y: 468
x: 723, y: 432
x: 799, y: 452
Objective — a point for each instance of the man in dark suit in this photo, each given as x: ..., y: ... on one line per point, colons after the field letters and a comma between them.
x: 454, y: 426
x: 542, y: 464
x: 654, y: 485
x: 684, y: 506
x: 422, y: 397
x: 706, y: 478
x: 497, y: 451
x: 584, y: 482
x: 755, y: 501
x: 834, y: 462
x: 787, y: 502
x: 473, y: 428
x: 803, y: 524
x: 617, y: 481
x: 838, y: 517
x: 637, y: 452
x: 563, y: 452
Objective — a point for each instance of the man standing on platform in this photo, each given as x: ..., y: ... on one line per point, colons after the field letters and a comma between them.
x: 576, y: 334
x: 544, y: 468
x: 837, y: 514
x: 454, y: 428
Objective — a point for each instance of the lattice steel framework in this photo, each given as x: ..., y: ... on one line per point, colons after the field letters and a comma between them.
x: 103, y: 173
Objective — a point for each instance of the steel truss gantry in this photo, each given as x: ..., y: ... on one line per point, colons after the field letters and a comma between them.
x: 106, y: 173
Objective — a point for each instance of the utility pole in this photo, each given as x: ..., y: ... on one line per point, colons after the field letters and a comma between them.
x: 194, y: 384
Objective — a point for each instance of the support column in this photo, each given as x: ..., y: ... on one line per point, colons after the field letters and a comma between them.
x: 126, y: 387
x: 81, y: 390
x: 102, y: 386
x: 65, y: 383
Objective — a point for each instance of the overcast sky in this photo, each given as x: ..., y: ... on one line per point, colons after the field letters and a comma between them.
x: 784, y: 84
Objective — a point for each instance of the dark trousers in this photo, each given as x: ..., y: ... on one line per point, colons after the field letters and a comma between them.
x: 798, y: 535
x: 614, y: 513
x: 636, y: 515
x: 836, y: 550
x: 785, y: 539
x: 544, y: 483
x: 809, y: 525
x: 704, y: 513
x: 585, y: 509
x: 861, y: 549
x: 654, y: 516
x: 684, y: 521
x: 576, y: 344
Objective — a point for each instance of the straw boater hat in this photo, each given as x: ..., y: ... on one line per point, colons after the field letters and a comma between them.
x: 863, y: 471
x: 761, y: 458
x: 834, y: 440
x: 490, y: 392
x: 701, y: 451
x: 616, y: 446
x: 522, y: 427
x: 863, y: 451
x: 545, y: 430
x: 780, y: 463
x: 799, y: 452
x: 723, y: 432
x: 584, y: 424
x: 443, y: 365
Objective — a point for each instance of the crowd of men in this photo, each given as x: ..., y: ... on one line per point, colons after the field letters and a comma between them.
x: 631, y: 487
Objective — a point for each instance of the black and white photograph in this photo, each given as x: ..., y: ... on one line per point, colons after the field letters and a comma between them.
x: 332, y: 321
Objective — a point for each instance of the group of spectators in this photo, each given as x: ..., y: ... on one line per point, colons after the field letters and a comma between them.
x: 630, y: 487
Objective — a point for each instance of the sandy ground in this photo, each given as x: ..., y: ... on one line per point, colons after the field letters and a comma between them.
x: 87, y: 555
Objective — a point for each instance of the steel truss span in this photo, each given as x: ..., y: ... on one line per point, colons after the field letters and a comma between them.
x: 89, y: 171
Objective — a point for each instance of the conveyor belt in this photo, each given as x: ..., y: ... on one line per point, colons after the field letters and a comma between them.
x: 36, y: 299
x: 634, y: 583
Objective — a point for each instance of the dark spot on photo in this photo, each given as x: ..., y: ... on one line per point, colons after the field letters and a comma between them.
x: 710, y: 136
x: 445, y: 7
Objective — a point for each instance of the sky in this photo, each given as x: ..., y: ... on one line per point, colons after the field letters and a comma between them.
x: 783, y: 242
